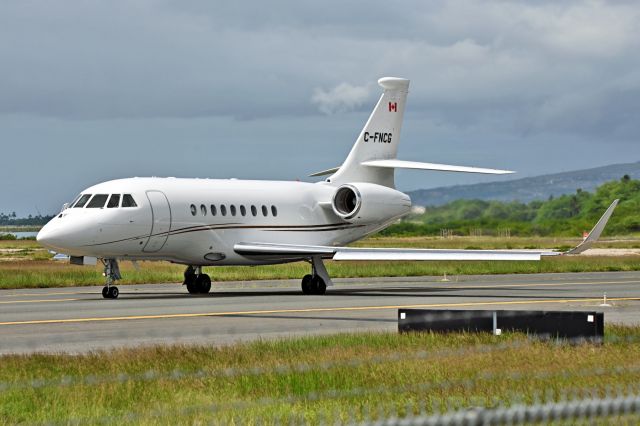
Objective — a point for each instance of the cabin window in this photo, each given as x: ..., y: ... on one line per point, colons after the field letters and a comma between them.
x: 193, y: 210
x: 82, y: 201
x: 243, y: 210
x: 233, y: 210
x: 274, y: 211
x: 203, y: 209
x: 98, y: 201
x: 128, y: 201
x: 223, y: 210
x: 254, y: 211
x: 264, y: 211
x: 214, y: 211
x: 114, y: 201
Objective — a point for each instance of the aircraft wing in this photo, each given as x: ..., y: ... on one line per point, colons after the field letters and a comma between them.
x: 295, y: 251
x: 356, y: 253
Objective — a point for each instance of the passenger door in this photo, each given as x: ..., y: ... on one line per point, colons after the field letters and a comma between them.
x: 160, y: 221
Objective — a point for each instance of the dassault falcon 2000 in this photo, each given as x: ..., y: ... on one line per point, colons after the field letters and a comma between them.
x: 207, y: 222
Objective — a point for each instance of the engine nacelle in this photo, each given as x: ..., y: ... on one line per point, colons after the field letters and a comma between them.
x: 369, y: 203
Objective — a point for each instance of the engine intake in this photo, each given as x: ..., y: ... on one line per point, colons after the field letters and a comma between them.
x: 347, y: 201
x: 369, y: 203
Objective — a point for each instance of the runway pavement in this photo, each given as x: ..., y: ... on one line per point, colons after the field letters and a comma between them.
x: 79, y: 319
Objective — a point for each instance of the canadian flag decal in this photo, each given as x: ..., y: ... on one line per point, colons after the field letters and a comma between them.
x: 393, y: 107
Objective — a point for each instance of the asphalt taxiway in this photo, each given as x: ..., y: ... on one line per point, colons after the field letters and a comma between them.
x: 78, y: 319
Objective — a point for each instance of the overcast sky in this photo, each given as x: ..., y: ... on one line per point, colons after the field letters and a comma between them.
x: 95, y: 90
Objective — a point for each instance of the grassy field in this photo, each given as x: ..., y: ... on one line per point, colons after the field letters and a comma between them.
x: 25, y: 264
x: 346, y: 377
x: 42, y: 274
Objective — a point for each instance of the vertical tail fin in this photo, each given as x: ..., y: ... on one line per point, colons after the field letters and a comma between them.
x: 379, y: 138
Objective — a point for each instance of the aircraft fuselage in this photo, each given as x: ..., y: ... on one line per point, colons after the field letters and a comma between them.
x: 198, y: 221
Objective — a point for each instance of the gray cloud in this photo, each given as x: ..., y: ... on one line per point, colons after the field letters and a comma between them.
x: 342, y: 98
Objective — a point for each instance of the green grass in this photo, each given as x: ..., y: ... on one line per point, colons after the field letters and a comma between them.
x: 351, y: 375
x: 42, y: 274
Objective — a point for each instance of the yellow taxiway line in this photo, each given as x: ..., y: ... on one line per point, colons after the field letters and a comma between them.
x: 309, y: 310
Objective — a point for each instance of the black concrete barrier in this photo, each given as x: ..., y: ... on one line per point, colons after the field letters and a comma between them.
x: 571, y: 325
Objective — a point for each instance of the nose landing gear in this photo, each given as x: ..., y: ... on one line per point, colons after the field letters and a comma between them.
x: 112, y: 274
x: 196, y: 281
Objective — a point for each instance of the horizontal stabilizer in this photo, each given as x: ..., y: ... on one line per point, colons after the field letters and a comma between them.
x: 400, y: 164
x: 325, y: 172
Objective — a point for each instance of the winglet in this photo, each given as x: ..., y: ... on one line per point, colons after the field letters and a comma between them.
x: 595, y: 232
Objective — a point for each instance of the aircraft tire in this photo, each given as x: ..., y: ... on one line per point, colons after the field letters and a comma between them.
x: 306, y: 284
x: 113, y: 292
x: 192, y: 286
x: 105, y: 292
x: 203, y: 283
x: 319, y: 287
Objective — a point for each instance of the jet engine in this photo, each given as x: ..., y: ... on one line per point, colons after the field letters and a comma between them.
x: 369, y: 203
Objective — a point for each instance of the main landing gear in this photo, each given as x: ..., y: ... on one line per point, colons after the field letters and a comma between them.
x: 313, y: 284
x: 316, y: 282
x: 112, y: 274
x: 196, y: 281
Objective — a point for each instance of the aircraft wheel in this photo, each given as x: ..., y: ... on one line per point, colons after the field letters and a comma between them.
x: 190, y: 282
x: 306, y: 284
x: 203, y: 283
x: 105, y: 292
x: 319, y: 286
x: 113, y: 292
x: 192, y: 287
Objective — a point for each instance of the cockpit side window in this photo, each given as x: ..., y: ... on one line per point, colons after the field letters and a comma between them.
x: 98, y: 201
x: 128, y: 201
x: 114, y: 201
x: 75, y: 200
x: 82, y: 201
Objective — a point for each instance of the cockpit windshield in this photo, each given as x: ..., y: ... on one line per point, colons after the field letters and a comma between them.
x: 82, y: 200
x: 128, y: 201
x: 74, y: 201
x: 114, y: 201
x: 98, y: 201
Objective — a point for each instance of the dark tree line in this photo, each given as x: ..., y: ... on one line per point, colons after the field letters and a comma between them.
x: 12, y: 220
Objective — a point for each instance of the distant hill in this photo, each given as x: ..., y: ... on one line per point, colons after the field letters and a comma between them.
x: 526, y: 189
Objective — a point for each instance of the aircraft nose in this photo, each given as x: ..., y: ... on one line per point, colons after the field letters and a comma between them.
x: 44, y: 236
x: 51, y: 237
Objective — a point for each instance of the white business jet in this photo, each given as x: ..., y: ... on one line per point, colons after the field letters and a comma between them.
x: 211, y: 222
